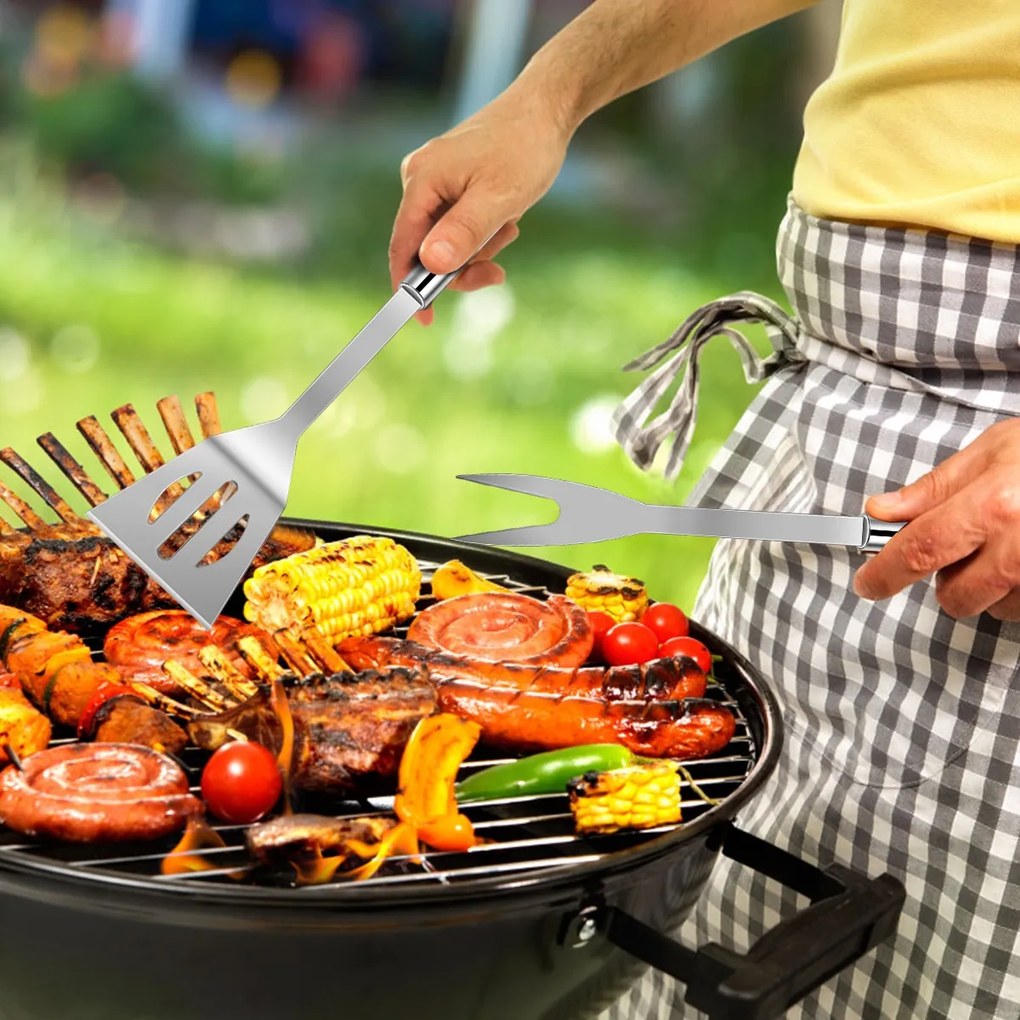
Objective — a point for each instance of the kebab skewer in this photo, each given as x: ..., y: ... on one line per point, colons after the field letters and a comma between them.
x: 59, y: 677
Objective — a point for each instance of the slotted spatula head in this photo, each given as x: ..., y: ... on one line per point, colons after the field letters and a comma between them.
x: 258, y: 461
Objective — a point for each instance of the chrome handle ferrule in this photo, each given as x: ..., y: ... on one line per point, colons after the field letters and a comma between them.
x: 877, y: 533
x: 424, y: 286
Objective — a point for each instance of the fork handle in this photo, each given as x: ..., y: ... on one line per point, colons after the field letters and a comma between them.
x: 877, y: 533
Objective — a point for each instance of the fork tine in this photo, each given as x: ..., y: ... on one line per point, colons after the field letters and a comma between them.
x: 529, y: 534
x: 530, y: 485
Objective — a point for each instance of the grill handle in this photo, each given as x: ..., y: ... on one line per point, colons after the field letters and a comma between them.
x: 849, y: 915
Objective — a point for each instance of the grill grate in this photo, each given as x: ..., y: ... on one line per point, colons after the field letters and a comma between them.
x: 527, y: 834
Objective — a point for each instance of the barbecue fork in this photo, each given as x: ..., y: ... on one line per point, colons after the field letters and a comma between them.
x: 257, y: 461
x: 590, y: 514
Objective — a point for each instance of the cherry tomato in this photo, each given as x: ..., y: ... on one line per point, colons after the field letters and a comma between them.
x: 241, y: 782
x: 629, y: 643
x: 666, y: 620
x: 691, y: 647
x: 600, y: 623
x: 452, y: 832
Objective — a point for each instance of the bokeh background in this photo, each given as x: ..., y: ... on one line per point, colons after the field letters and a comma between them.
x: 198, y: 194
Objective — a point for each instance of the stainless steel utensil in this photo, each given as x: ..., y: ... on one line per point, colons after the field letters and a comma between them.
x: 258, y: 460
x: 590, y: 514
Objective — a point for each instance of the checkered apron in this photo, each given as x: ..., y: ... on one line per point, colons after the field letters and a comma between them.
x: 903, y: 725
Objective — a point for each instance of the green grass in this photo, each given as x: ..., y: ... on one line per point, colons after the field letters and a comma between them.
x: 585, y: 295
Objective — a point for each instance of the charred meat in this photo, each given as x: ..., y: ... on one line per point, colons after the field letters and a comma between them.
x: 350, y: 729
x: 74, y: 578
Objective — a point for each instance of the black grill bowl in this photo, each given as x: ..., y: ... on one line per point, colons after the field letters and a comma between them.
x: 119, y: 943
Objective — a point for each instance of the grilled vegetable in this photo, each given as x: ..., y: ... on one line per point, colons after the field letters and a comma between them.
x: 454, y: 578
x: 637, y: 797
x: 548, y: 772
x: 428, y: 769
x: 360, y: 585
x: 58, y: 676
x: 623, y: 598
x: 241, y: 782
x: 22, y: 728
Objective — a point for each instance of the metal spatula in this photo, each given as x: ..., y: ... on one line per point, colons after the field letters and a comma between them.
x: 590, y: 514
x: 258, y: 460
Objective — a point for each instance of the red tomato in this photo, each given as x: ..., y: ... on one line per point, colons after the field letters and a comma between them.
x: 666, y: 620
x: 691, y: 647
x: 629, y: 643
x: 600, y: 623
x: 241, y: 782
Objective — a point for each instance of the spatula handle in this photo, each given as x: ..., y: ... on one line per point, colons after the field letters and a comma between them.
x: 425, y: 286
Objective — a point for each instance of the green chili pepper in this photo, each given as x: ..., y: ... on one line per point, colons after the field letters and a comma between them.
x: 548, y: 772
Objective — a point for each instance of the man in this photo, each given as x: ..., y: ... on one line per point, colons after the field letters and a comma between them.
x: 899, y: 377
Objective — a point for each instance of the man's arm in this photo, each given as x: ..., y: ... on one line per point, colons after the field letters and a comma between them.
x: 476, y: 180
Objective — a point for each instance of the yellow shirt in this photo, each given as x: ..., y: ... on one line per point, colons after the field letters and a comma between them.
x: 919, y: 122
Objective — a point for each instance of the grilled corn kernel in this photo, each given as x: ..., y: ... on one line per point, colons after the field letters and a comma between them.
x: 355, y: 587
x: 623, y: 598
x: 636, y: 797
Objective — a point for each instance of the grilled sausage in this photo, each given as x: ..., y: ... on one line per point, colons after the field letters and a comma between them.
x: 507, y: 627
x: 664, y: 679
x: 96, y: 793
x: 534, y: 721
x: 139, y: 645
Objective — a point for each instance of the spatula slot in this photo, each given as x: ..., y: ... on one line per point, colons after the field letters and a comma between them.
x: 226, y: 544
x: 187, y: 528
x: 170, y: 495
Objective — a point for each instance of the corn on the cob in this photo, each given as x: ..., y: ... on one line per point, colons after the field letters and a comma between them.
x: 623, y: 598
x: 355, y: 587
x: 636, y: 797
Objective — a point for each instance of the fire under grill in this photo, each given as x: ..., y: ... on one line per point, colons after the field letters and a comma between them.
x: 524, y: 835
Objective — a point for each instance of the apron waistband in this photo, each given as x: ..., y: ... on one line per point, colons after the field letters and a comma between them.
x: 717, y: 318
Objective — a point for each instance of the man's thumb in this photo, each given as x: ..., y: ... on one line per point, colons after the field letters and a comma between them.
x: 460, y: 232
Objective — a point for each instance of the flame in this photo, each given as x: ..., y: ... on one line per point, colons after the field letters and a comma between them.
x: 285, y: 759
x: 183, y: 860
x: 402, y: 838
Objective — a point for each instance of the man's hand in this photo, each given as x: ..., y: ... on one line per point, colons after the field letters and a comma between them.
x: 476, y: 181
x: 473, y: 183
x: 964, y: 527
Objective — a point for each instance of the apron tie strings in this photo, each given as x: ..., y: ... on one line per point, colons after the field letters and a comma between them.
x: 717, y: 318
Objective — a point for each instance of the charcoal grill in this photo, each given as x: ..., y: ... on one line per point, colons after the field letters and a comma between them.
x: 540, y: 923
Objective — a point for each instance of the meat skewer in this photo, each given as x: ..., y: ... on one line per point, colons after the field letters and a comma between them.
x: 61, y: 456
x: 49, y: 495
x: 21, y: 508
x: 208, y: 414
x: 69, y: 573
x: 95, y: 435
x: 176, y: 425
x: 138, y: 438
x: 58, y: 675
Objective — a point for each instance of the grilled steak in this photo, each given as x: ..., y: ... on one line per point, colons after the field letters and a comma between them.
x: 75, y: 578
x: 350, y: 729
